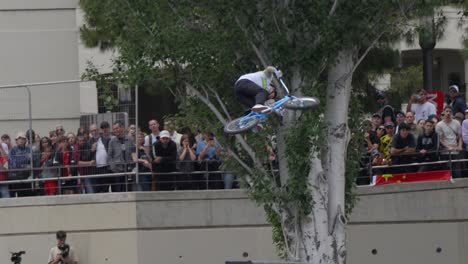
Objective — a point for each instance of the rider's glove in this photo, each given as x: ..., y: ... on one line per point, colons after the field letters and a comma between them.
x: 279, y: 74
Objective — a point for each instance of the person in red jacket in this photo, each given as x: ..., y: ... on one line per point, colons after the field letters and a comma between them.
x: 4, y: 188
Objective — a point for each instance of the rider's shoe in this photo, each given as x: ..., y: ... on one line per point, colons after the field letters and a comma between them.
x: 258, y: 108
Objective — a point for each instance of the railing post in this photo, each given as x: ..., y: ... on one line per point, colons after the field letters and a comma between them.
x: 207, y: 174
x: 59, y: 182
x: 450, y: 164
x: 126, y: 175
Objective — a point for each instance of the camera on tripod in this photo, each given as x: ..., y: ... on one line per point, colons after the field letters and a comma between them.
x: 16, y: 257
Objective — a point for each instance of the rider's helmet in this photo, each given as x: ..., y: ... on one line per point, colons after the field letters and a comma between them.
x: 269, y: 71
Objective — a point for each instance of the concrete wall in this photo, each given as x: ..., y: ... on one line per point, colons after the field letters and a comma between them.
x: 40, y: 44
x: 412, y: 223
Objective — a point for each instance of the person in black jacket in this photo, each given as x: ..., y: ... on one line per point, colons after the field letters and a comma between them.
x: 427, y: 146
x: 164, y: 158
x: 455, y: 100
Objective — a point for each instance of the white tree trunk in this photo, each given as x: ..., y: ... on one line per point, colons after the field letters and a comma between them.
x: 322, y: 233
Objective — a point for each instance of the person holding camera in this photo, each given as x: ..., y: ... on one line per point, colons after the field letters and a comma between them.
x: 420, y: 106
x: 62, y: 253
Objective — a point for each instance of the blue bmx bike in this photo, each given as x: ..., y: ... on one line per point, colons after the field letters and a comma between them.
x: 251, y: 120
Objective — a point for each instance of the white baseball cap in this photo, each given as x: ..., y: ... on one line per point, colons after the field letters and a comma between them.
x: 164, y: 134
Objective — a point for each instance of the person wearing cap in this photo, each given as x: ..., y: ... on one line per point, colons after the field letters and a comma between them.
x: 420, y: 106
x: 164, y: 160
x: 386, y: 140
x: 403, y: 144
x: 428, y: 145
x: 450, y: 138
x: 20, y: 158
x: 459, y: 117
x: 119, y: 156
x: 376, y: 121
x: 170, y: 126
x: 400, y: 118
x: 386, y: 111
x: 455, y: 100
x: 253, y: 89
x: 56, y: 255
x: 59, y: 130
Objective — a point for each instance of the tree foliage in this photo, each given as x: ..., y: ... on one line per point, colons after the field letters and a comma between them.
x: 203, y: 46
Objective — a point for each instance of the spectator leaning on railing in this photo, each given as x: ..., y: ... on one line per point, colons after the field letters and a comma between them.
x: 4, y: 188
x: 20, y: 160
x: 208, y: 153
x: 450, y: 137
x: 144, y: 164
x: 164, y: 160
x: 427, y: 146
x: 403, y: 145
x: 119, y: 155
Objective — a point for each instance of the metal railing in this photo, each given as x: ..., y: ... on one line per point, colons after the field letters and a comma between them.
x: 449, y: 162
x: 130, y: 180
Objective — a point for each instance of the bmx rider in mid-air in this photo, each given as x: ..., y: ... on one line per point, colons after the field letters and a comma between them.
x: 253, y: 89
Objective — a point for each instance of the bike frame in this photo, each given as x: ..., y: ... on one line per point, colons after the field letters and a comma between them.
x: 262, y: 116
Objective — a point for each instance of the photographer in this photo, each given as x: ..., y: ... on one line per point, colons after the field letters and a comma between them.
x: 420, y: 106
x: 62, y: 253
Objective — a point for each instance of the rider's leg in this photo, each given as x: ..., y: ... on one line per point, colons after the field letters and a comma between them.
x: 246, y: 92
x: 251, y: 95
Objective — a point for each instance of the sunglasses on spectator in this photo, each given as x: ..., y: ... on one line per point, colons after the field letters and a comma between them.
x: 381, y: 128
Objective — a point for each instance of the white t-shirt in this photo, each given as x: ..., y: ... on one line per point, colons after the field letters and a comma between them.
x: 449, y: 132
x: 423, y: 111
x: 54, y: 251
x: 147, y: 141
x: 101, y: 154
x: 259, y: 78
x: 5, y: 148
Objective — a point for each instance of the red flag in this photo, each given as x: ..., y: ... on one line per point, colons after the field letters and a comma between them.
x: 441, y: 175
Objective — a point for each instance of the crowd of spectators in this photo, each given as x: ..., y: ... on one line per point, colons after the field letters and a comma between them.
x: 419, y: 135
x: 165, y: 160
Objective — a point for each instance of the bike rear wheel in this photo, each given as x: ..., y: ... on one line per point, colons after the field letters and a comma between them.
x: 241, y: 124
x: 301, y: 103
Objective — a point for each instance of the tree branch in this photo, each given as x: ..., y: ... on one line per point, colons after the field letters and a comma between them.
x: 363, y: 56
x: 239, y: 138
x: 242, y: 163
x: 260, y: 56
x: 150, y: 31
x: 333, y: 9
x: 221, y: 103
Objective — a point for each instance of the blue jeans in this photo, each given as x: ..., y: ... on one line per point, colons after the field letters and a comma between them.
x: 228, y: 179
x: 144, y: 184
x: 4, y: 191
x: 89, y: 185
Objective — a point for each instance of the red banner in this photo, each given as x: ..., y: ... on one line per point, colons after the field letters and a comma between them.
x: 437, y: 98
x: 441, y: 175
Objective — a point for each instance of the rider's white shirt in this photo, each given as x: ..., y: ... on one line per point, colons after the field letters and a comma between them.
x: 259, y: 78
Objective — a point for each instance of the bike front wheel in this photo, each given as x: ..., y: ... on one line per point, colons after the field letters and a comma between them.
x: 302, y: 103
x: 241, y: 124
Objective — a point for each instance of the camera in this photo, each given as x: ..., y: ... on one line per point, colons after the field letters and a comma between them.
x: 64, y: 250
x: 16, y: 257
